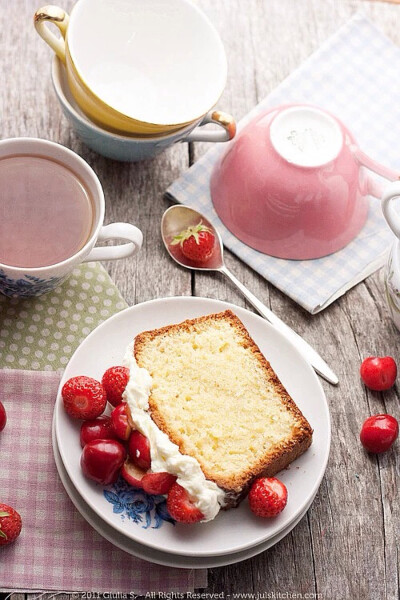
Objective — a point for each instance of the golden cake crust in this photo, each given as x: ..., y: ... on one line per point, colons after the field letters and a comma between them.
x: 271, y: 463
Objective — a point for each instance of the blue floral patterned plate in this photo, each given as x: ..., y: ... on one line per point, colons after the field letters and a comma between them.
x: 137, y: 506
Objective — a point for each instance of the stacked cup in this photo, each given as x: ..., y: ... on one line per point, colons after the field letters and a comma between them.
x: 134, y: 77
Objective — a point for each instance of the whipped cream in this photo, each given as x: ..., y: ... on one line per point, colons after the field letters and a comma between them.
x: 165, y: 455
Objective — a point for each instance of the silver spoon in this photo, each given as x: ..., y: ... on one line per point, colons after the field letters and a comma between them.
x: 176, y: 219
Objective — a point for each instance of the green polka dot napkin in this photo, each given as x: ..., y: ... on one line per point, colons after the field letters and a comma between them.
x: 42, y: 333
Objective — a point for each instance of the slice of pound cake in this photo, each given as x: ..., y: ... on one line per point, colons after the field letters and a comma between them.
x: 217, y: 415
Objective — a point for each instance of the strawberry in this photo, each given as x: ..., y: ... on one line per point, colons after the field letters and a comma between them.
x: 10, y: 525
x: 101, y: 460
x: 180, y: 506
x: 84, y: 397
x: 3, y: 417
x: 114, y: 382
x: 379, y: 433
x: 132, y: 473
x: 96, y: 429
x: 139, y: 450
x: 120, y: 422
x: 267, y: 497
x: 196, y: 242
x: 379, y: 372
x: 158, y: 484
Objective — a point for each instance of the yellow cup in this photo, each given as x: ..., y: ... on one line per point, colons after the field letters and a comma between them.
x: 124, y: 76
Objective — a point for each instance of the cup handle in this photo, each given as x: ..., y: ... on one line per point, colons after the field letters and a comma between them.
x: 223, y: 120
x: 374, y: 187
x: 391, y: 215
x: 60, y: 19
x: 117, y: 231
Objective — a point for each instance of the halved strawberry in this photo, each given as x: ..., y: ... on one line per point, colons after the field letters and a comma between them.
x: 139, y: 450
x: 158, y: 483
x: 132, y: 473
x: 180, y: 506
x: 83, y: 397
x: 120, y: 423
x: 114, y: 381
x: 10, y: 524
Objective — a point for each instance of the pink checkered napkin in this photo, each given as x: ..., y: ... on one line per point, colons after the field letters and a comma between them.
x: 58, y: 549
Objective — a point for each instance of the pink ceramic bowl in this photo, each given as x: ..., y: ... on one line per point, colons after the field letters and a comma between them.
x: 293, y: 183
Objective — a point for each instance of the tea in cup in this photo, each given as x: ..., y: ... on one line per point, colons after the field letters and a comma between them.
x: 140, y: 68
x: 51, y: 216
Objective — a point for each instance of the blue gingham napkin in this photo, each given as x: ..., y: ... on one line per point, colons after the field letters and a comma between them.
x: 355, y: 75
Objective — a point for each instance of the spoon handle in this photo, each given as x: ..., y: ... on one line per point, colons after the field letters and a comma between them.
x: 307, y: 351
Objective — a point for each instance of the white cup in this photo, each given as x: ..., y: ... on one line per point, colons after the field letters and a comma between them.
x: 34, y: 281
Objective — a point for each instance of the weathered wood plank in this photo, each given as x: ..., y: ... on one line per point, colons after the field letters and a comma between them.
x: 135, y: 194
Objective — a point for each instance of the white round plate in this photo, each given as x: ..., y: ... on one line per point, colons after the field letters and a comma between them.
x: 233, y: 530
x: 150, y: 554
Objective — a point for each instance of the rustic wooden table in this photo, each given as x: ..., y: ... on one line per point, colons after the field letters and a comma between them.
x: 347, y: 546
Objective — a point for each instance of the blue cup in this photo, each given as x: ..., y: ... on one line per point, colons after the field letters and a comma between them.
x: 128, y: 148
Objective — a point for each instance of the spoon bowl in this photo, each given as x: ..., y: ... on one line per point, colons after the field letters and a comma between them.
x: 176, y: 219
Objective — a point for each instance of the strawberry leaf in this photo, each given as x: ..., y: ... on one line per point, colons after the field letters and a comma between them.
x: 3, y: 535
x: 4, y: 513
x: 177, y: 239
x: 193, y: 230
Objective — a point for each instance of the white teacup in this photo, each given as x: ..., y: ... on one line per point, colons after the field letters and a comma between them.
x: 51, y: 237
